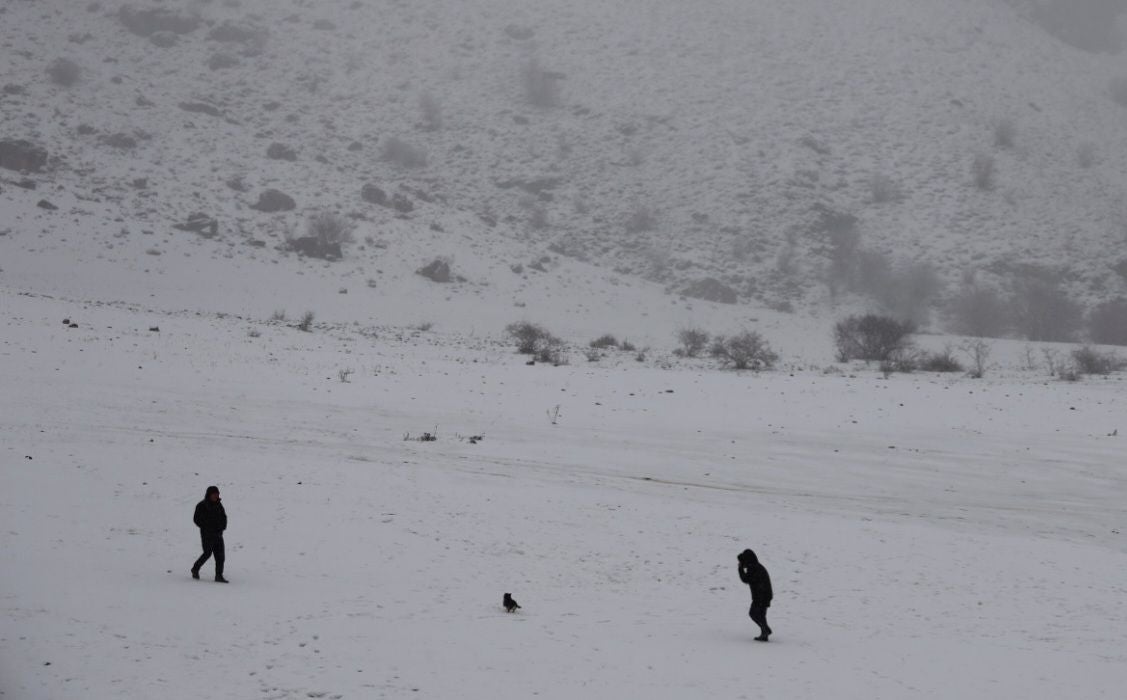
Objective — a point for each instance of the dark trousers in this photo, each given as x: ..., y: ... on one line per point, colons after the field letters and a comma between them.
x: 212, y: 544
x: 758, y: 615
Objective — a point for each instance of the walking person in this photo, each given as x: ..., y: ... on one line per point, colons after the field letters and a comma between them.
x: 211, y: 519
x: 755, y: 576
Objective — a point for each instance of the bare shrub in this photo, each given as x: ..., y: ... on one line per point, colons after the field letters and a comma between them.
x: 604, y: 342
x: 306, y: 322
x: 983, y: 170
x: 65, y: 72
x: 431, y: 112
x: 405, y: 155
x: 693, y: 341
x: 329, y: 229
x: 1089, y: 360
x: 745, y: 350
x: 942, y: 361
x: 541, y: 87
x: 1005, y: 133
x: 535, y: 340
x: 979, y: 311
x: 1107, y: 323
x: 871, y: 337
x: 345, y: 375
x: 979, y: 353
x: 904, y: 360
x: 1042, y: 311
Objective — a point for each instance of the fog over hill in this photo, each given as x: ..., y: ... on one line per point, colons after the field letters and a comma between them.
x: 801, y: 155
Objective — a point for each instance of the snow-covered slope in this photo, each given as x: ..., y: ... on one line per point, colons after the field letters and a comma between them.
x: 690, y: 140
x: 926, y: 537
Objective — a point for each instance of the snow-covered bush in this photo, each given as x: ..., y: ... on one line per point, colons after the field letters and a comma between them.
x: 329, y: 229
x: 871, y: 337
x: 531, y: 338
x: 306, y: 322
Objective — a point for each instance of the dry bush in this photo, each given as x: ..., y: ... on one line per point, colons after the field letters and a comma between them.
x: 979, y: 353
x: 1088, y: 360
x: 693, y: 341
x: 745, y: 350
x: 871, y: 337
x: 329, y: 229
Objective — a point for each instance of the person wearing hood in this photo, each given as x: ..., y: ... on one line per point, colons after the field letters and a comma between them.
x: 755, y: 576
x: 211, y: 519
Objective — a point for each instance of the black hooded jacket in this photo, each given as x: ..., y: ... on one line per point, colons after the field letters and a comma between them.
x: 210, y: 517
x: 754, y: 575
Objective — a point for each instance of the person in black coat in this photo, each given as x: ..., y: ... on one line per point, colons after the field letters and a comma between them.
x: 755, y: 576
x: 211, y: 519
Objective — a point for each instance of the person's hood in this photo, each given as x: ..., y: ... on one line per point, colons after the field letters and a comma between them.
x: 210, y: 490
x: 748, y: 557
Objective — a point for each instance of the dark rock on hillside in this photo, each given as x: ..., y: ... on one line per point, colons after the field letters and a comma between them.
x: 200, y: 108
x: 313, y: 247
x: 437, y: 271
x: 44, y: 204
x: 145, y: 22
x: 711, y: 289
x: 119, y: 140
x: 374, y: 195
x: 280, y: 151
x: 274, y: 200
x: 200, y: 223
x: 17, y: 154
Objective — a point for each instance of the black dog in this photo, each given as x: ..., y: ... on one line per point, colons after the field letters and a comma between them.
x: 509, y: 603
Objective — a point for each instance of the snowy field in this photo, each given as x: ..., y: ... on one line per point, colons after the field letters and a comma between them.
x: 927, y: 536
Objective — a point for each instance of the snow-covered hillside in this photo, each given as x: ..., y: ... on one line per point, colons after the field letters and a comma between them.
x: 674, y: 141
x: 927, y: 537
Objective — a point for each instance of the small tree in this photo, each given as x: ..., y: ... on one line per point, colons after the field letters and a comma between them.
x: 979, y: 353
x: 746, y: 350
x: 693, y: 341
x: 871, y: 337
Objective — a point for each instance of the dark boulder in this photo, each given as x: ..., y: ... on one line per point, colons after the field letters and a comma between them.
x: 271, y: 201
x: 711, y: 289
x: 437, y: 271
x: 374, y: 195
x: 17, y: 154
x: 280, y: 151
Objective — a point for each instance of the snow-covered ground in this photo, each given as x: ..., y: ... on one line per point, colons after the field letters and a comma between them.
x: 927, y: 536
